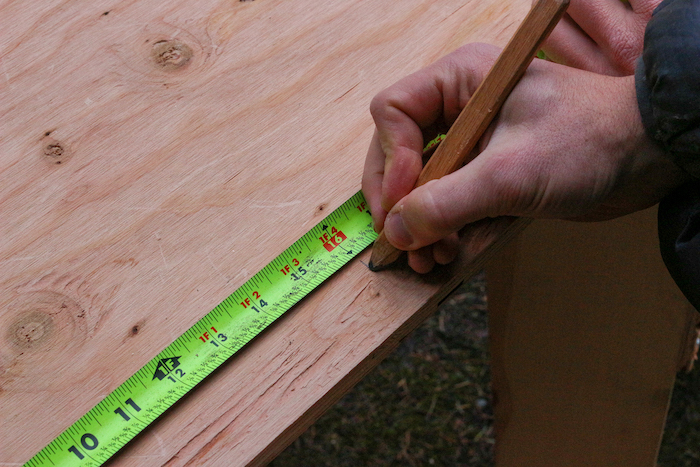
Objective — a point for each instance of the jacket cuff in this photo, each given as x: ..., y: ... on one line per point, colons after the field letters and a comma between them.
x: 667, y: 80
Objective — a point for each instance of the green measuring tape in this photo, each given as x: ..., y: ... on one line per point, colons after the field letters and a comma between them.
x: 142, y: 398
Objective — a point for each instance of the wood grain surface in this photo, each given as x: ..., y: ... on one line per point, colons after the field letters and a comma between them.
x: 154, y: 155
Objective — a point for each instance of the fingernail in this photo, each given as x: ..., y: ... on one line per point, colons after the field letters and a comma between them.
x: 396, y: 231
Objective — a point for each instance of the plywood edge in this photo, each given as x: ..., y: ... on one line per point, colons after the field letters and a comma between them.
x: 480, y: 245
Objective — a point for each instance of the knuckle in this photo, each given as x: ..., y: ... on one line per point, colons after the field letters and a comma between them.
x: 625, y: 46
x: 378, y: 104
x: 515, y: 184
x: 433, y: 219
x: 386, y: 107
x: 644, y: 9
x: 475, y: 52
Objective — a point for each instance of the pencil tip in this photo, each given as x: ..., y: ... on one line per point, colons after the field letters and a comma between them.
x: 383, y: 254
x: 385, y: 262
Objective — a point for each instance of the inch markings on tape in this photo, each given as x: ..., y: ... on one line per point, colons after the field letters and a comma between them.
x: 149, y: 392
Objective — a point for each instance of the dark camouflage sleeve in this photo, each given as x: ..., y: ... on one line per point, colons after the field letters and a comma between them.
x: 668, y: 81
x: 668, y: 93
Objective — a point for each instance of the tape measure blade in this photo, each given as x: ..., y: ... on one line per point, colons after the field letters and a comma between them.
x: 218, y: 335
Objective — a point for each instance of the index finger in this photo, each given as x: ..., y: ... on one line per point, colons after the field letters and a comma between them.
x: 372, y: 182
x: 404, y: 110
x: 400, y: 112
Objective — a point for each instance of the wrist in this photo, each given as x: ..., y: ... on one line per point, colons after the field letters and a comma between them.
x: 646, y: 172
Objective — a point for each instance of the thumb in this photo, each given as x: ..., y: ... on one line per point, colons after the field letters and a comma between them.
x: 443, y: 206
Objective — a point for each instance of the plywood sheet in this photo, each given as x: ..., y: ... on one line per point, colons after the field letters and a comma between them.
x: 154, y: 155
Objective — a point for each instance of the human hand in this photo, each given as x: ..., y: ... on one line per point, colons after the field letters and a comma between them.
x: 603, y: 36
x: 566, y: 144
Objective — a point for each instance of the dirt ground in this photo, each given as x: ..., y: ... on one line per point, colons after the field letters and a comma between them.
x: 429, y: 403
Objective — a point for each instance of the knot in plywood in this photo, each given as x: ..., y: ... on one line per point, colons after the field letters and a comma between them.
x: 171, y: 54
x: 31, y: 329
x: 37, y: 331
x: 54, y: 151
x: 41, y: 318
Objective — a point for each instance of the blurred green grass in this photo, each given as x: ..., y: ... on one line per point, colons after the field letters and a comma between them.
x: 429, y: 403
